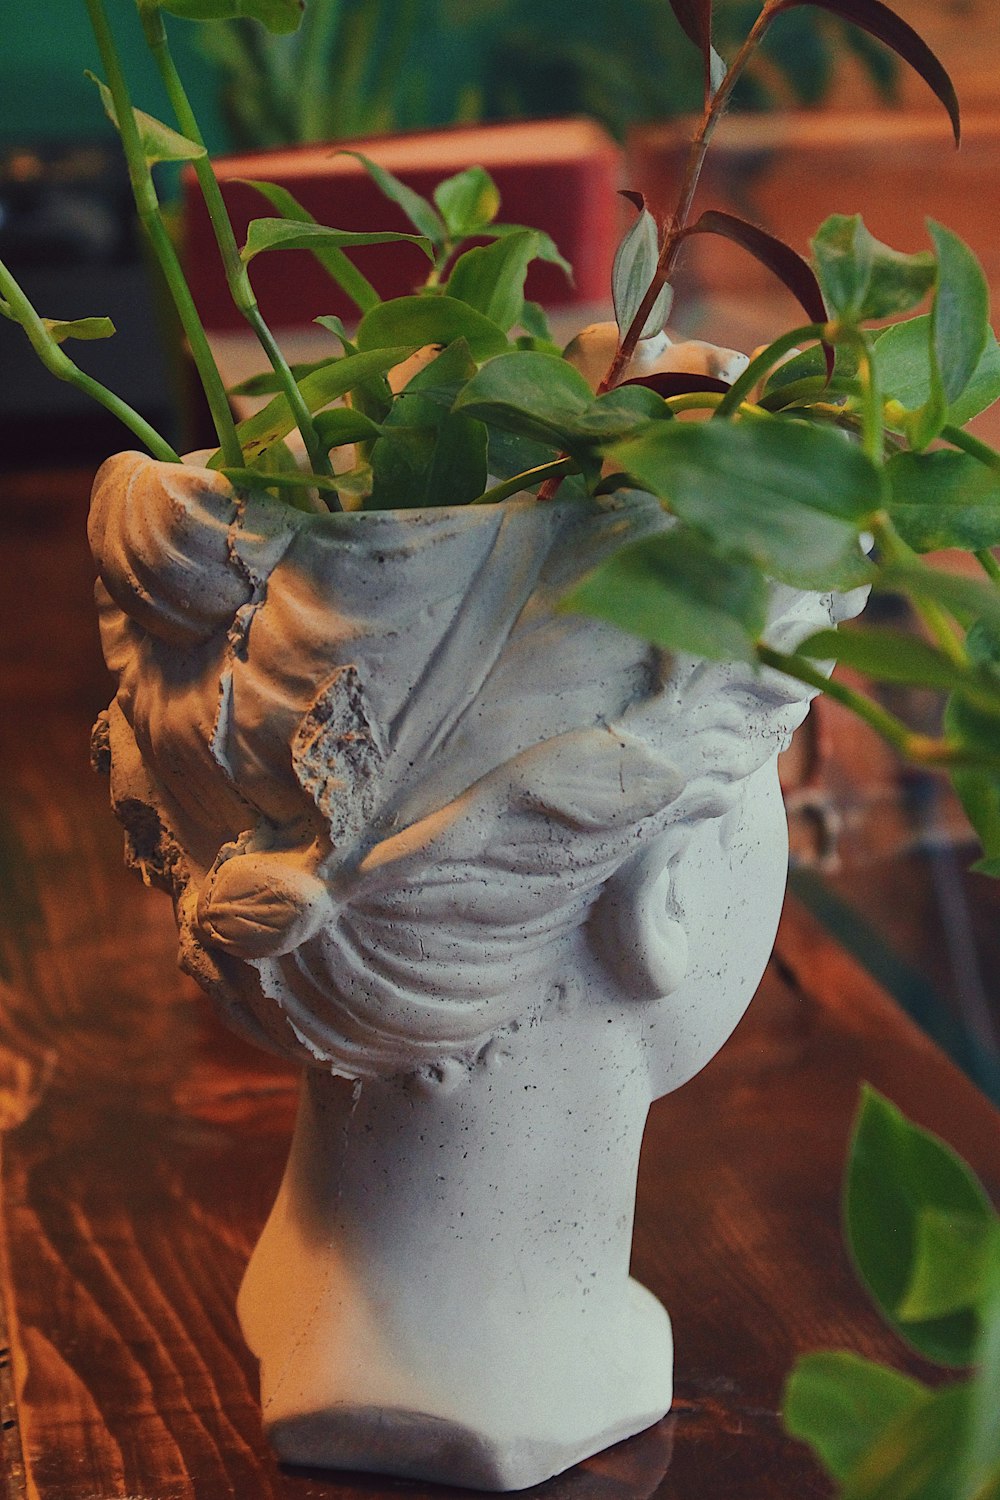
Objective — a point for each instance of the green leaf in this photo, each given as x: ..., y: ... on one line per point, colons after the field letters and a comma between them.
x: 535, y: 323
x: 429, y: 466
x: 944, y: 499
x: 967, y: 599
x: 342, y: 424
x: 961, y: 314
x: 953, y: 1265
x: 266, y: 382
x: 430, y: 320
x: 895, y: 1172
x: 442, y: 379
x: 840, y: 1404
x: 634, y: 405
x: 158, y: 141
x: 903, y: 360
x: 545, y: 247
x: 459, y: 467
x: 979, y: 794
x: 541, y: 397
x: 401, y: 461
x: 634, y: 267
x: 861, y: 278
x: 327, y: 384
x: 678, y: 591
x: 294, y: 484
x: 421, y: 214
x: 469, y: 201
x: 790, y: 496
x: 810, y: 364
x: 885, y: 655
x: 279, y: 16
x: 981, y: 1471
x: 491, y: 278
x: 335, y: 325
x: 337, y: 265
x: 918, y: 1456
x: 80, y: 328
x: 284, y: 234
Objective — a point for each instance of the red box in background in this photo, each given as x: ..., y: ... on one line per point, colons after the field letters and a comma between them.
x: 560, y: 176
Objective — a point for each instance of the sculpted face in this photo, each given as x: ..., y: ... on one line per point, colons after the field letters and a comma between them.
x: 398, y: 799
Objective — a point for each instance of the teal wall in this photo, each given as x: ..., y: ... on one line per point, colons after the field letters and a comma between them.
x: 46, y: 46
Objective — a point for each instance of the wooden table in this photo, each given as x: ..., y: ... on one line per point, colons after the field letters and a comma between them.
x: 142, y: 1144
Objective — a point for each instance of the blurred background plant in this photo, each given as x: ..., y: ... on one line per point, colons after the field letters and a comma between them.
x: 363, y: 67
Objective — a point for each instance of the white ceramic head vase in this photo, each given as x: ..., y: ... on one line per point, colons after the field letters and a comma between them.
x: 497, y: 877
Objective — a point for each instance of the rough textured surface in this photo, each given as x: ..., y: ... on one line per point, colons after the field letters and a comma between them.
x: 499, y: 877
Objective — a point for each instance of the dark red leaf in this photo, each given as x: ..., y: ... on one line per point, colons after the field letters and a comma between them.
x: 884, y: 24
x: 786, y: 263
x: 678, y: 383
x: 695, y: 19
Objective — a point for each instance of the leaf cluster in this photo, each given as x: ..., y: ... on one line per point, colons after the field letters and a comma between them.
x: 925, y: 1241
x: 837, y: 460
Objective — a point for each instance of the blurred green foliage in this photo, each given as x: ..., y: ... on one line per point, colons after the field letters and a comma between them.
x: 360, y: 67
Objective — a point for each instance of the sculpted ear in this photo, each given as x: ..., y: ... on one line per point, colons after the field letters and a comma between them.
x: 633, y: 930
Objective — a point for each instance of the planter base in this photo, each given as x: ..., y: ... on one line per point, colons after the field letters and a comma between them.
x: 422, y: 1445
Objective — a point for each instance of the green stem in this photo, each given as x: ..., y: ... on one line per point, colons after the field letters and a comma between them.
x: 894, y: 549
x: 989, y: 564
x: 59, y: 364
x: 148, y: 208
x: 920, y: 749
x: 237, y: 277
x: 710, y: 401
x: 555, y: 469
x: 765, y: 362
x: 872, y: 408
x: 959, y: 438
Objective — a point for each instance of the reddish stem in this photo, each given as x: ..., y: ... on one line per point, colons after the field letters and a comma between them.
x: 677, y: 227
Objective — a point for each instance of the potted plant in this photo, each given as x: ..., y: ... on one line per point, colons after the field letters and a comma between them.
x: 453, y: 741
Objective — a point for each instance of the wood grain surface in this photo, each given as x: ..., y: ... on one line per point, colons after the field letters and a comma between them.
x: 142, y: 1144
